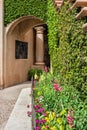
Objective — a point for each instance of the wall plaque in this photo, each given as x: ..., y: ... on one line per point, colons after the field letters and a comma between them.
x: 21, y: 49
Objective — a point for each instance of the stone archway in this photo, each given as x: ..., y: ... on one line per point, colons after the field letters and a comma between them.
x: 20, y: 33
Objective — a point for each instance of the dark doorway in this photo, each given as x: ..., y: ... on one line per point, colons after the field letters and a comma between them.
x: 46, y: 48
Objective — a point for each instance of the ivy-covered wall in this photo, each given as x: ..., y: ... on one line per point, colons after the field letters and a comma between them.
x: 68, y: 47
x: 16, y: 8
x: 52, y: 23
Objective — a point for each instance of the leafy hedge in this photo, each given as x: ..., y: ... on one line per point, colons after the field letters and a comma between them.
x: 16, y: 8
x: 52, y: 23
x: 68, y: 47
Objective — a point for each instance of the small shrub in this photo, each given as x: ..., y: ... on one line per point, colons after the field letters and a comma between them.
x: 35, y: 73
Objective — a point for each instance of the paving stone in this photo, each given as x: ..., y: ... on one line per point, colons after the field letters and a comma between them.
x: 8, y: 98
x: 19, y: 120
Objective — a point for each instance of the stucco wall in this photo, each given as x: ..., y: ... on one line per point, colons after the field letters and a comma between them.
x: 1, y: 44
x: 15, y: 70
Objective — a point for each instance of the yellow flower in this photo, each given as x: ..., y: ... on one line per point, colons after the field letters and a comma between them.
x: 39, y: 93
x: 34, y: 88
x: 47, y: 119
x: 41, y: 78
x: 47, y: 112
x: 59, y: 120
x: 61, y: 127
x: 62, y: 112
x: 53, y: 128
x: 53, y: 115
x: 43, y: 127
x: 35, y: 76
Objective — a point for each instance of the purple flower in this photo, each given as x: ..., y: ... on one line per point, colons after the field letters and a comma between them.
x: 37, y: 121
x: 40, y: 110
x: 37, y: 106
x: 37, y: 127
x: 42, y: 121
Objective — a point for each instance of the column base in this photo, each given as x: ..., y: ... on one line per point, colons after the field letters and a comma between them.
x: 39, y: 63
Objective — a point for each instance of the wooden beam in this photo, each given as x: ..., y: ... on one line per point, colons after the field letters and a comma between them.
x: 71, y: 0
x: 58, y: 2
x: 84, y: 27
x: 82, y: 13
x: 79, y: 3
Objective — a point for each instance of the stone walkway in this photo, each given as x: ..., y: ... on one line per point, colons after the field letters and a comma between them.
x: 8, y: 98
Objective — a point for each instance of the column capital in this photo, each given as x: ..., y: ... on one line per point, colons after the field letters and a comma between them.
x: 39, y: 29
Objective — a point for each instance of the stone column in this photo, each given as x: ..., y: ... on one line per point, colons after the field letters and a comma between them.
x: 39, y: 45
x: 1, y: 42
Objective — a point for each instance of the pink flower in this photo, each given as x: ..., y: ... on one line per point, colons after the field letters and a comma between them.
x: 34, y: 82
x: 70, y: 119
x: 56, y: 87
x: 40, y: 110
x: 46, y: 69
x: 29, y: 113
x: 28, y: 106
x: 37, y: 106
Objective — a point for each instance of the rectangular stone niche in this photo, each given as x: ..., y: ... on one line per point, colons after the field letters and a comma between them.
x: 21, y: 49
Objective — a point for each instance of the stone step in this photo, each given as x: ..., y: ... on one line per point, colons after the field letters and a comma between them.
x: 19, y: 120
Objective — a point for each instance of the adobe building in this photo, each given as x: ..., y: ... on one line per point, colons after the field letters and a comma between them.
x: 23, y: 45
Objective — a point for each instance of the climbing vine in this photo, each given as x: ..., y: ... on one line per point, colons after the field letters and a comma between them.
x: 16, y: 8
x: 52, y: 23
x: 68, y: 49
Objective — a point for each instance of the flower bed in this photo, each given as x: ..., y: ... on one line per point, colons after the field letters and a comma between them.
x: 58, y: 107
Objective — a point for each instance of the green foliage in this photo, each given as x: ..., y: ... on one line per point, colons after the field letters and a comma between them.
x: 33, y: 72
x: 16, y: 8
x: 68, y: 47
x: 57, y: 105
x: 52, y: 22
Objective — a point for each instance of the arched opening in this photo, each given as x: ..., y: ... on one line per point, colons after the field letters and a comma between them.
x: 21, y: 50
